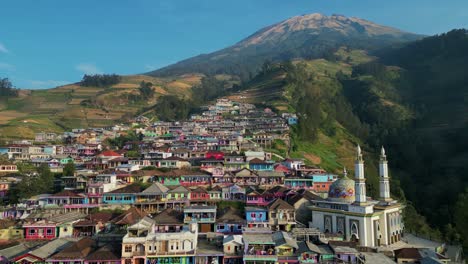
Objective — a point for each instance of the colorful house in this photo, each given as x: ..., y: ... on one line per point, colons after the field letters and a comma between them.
x: 281, y: 215
x: 254, y: 198
x: 124, y: 195
x: 216, y: 193
x: 40, y: 230
x: 180, y: 193
x: 166, y: 243
x: 233, y: 248
x: 199, y: 194
x: 233, y: 192
x: 74, y: 253
x: 230, y: 221
x: 9, y: 231
x: 42, y: 253
x: 245, y: 177
x: 194, y: 178
x: 204, y: 216
x: 285, y: 247
x: 256, y: 216
x: 259, y: 246
x: 67, y: 199
x: 260, y: 165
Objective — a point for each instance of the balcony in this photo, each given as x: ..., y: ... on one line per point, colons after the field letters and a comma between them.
x: 94, y: 194
x: 188, y: 219
x: 138, y: 253
x: 288, y: 258
x: 265, y: 257
x: 166, y: 253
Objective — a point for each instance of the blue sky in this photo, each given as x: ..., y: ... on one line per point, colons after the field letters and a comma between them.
x: 51, y: 42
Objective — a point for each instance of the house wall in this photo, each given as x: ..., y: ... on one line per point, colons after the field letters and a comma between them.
x: 65, y: 230
x: 119, y: 198
x: 227, y: 228
x: 11, y: 233
x: 256, y: 216
x: 40, y: 233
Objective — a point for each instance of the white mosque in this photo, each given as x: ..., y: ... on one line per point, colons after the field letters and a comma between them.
x: 350, y: 214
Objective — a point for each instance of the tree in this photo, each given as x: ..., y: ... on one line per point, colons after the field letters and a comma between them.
x: 133, y: 154
x: 7, y: 89
x: 172, y: 108
x: 461, y: 216
x: 146, y: 90
x: 100, y: 80
x: 69, y: 169
x: 33, y: 184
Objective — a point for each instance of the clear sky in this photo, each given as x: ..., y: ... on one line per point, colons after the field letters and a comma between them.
x: 52, y: 42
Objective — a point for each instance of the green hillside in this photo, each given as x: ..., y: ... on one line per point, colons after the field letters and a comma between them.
x: 74, y: 105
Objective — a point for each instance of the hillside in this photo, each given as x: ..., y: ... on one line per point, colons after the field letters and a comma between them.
x: 307, y: 36
x: 337, y: 127
x: 73, y: 106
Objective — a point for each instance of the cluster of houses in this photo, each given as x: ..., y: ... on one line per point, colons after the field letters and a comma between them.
x: 198, y: 192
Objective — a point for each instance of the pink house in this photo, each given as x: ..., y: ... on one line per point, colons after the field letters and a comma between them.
x: 216, y: 155
x: 42, y: 229
x: 255, y: 198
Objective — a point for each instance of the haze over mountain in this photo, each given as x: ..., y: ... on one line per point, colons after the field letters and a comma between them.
x: 306, y: 36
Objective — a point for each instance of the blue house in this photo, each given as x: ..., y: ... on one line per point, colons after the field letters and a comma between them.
x: 260, y: 165
x: 230, y: 221
x: 125, y: 195
x: 256, y: 216
x: 292, y: 120
x: 3, y: 150
x: 49, y: 150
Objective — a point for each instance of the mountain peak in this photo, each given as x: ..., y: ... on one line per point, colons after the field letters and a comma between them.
x: 317, y: 23
x: 304, y: 36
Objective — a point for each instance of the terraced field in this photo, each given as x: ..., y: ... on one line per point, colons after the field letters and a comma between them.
x: 73, y: 106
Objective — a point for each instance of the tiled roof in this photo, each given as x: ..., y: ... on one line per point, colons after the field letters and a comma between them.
x: 230, y: 214
x: 280, y: 204
x: 130, y: 217
x: 52, y: 247
x: 169, y: 217
x: 77, y: 250
x: 106, y: 252
x: 66, y: 193
x: 132, y: 188
x: 109, y: 153
x: 179, y: 189
x: 198, y: 190
x: 155, y: 189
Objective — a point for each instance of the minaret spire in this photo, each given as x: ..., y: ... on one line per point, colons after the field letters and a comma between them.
x: 359, y: 180
x: 345, y: 172
x: 384, y: 184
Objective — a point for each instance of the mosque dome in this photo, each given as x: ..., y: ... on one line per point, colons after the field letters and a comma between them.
x: 342, y: 190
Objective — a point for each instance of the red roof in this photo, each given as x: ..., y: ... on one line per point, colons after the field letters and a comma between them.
x: 67, y: 193
x: 110, y: 153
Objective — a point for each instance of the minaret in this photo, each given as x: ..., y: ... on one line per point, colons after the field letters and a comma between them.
x: 359, y: 180
x: 384, y: 185
x: 345, y: 172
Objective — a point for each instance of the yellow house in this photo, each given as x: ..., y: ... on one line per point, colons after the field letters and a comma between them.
x: 9, y: 231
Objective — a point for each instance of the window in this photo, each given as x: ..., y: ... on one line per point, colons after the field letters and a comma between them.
x: 32, y: 231
x: 221, y: 227
x: 128, y: 248
x: 49, y: 231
